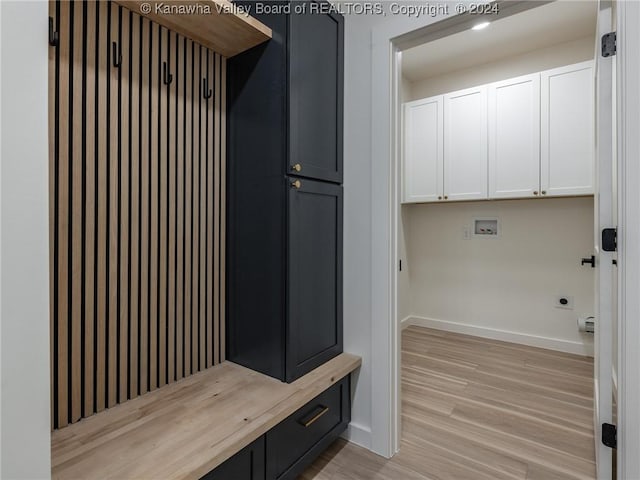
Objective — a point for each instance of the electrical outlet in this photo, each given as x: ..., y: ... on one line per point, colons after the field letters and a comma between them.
x: 563, y: 301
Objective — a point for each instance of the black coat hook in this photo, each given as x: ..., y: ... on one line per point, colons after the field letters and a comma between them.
x: 167, y: 77
x: 206, y: 91
x: 116, y: 55
x: 53, y: 35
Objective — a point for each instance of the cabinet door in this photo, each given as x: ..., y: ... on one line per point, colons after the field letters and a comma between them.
x: 247, y: 464
x: 567, y: 137
x: 514, y: 137
x: 314, y: 333
x: 423, y: 150
x: 465, y: 144
x: 315, y: 98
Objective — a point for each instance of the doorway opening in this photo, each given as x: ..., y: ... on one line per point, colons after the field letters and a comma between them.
x: 499, y: 208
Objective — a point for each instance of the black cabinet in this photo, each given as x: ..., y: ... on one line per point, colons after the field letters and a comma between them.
x: 315, y: 95
x: 247, y: 464
x: 314, y: 280
x: 291, y: 446
x: 284, y: 201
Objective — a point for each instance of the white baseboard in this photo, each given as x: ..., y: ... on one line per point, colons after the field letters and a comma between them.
x: 504, y: 335
x: 359, y: 435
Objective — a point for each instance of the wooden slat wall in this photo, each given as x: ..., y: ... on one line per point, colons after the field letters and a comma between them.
x: 137, y: 207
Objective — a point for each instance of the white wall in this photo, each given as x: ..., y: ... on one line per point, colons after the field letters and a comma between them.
x: 24, y: 327
x: 543, y: 59
x: 508, y: 283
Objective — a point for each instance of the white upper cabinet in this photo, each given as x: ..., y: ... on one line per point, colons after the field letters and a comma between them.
x: 527, y: 137
x: 423, y: 150
x: 514, y: 137
x: 567, y: 135
x: 465, y: 144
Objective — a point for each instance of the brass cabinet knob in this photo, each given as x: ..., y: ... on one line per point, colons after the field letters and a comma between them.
x: 296, y: 168
x: 296, y: 184
x: 535, y: 193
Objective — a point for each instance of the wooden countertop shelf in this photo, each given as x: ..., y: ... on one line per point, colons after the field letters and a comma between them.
x: 188, y: 428
x: 217, y: 24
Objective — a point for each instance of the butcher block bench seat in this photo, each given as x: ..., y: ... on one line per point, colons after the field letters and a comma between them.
x: 188, y: 428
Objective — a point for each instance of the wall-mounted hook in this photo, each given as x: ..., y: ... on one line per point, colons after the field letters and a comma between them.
x: 167, y: 78
x: 53, y: 35
x: 116, y: 55
x: 206, y: 91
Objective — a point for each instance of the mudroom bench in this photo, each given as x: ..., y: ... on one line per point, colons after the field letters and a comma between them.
x: 225, y: 422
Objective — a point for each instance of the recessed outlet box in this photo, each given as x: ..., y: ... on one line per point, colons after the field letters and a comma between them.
x: 563, y: 301
x: 486, y: 227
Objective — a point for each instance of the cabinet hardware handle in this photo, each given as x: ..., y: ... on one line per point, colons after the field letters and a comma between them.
x: 296, y: 184
x: 535, y: 193
x: 296, y: 168
x: 439, y: 198
x: 543, y: 192
x: 446, y: 197
x: 307, y: 422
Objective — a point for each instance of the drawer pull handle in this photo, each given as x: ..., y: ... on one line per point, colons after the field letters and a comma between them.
x: 314, y: 416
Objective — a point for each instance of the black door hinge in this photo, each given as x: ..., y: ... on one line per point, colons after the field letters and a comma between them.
x: 609, y: 44
x: 609, y: 239
x: 609, y: 435
x: 400, y: 265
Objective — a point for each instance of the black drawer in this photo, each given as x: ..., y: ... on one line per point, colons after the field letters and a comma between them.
x: 295, y: 442
x: 247, y: 464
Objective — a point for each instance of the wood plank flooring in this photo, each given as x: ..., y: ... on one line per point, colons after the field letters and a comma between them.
x: 478, y: 409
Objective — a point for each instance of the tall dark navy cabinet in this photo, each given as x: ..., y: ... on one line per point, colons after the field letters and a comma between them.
x: 284, y: 194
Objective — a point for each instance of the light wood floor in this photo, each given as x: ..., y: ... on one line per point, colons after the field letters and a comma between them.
x: 479, y: 409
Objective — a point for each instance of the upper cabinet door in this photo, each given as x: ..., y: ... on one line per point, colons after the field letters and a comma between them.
x: 314, y: 283
x: 514, y: 137
x: 567, y: 136
x: 465, y: 144
x: 423, y: 150
x: 315, y: 101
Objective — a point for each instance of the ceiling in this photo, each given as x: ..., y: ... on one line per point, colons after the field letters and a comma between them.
x: 550, y: 24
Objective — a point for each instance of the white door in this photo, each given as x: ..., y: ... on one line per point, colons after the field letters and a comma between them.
x: 605, y: 205
x: 423, y: 150
x: 465, y: 144
x: 567, y: 112
x: 514, y: 137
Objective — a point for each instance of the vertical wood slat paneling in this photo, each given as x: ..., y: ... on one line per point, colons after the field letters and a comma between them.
x: 221, y: 133
x: 171, y: 206
x: 195, y: 225
x: 180, y: 146
x: 123, y: 212
x: 102, y: 209
x: 137, y: 201
x: 211, y: 294
x: 188, y: 202
x: 112, y: 218
x: 62, y: 221
x: 134, y: 192
x: 154, y: 260
x: 90, y: 207
x: 162, y: 214
x: 145, y: 219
